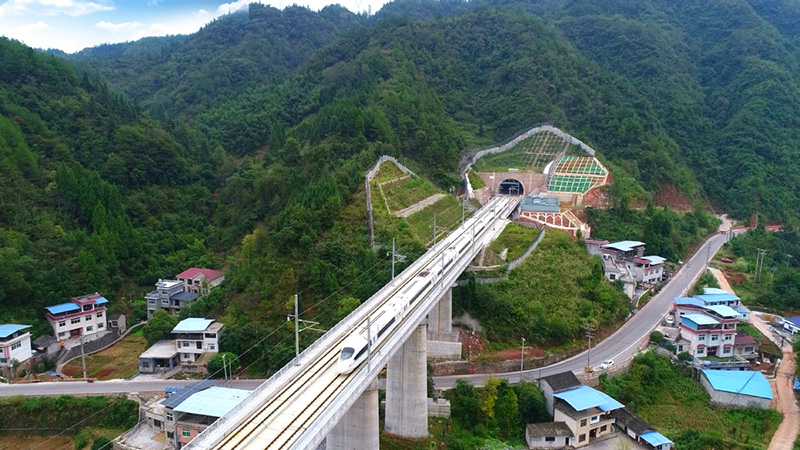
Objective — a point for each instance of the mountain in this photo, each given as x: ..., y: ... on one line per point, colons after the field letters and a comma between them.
x: 186, y: 74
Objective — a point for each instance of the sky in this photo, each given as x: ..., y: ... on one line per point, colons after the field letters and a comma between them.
x: 71, y: 25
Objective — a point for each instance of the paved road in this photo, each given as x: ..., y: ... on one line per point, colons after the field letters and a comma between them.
x: 105, y: 387
x: 625, y: 341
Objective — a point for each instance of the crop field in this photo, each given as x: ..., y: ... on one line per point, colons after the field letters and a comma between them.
x: 531, y: 154
x: 121, y: 360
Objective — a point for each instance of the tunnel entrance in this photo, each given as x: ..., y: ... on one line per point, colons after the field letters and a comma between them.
x: 510, y: 187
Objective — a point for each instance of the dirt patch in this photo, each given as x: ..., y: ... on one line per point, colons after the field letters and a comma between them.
x: 597, y: 197
x: 72, y: 371
x: 121, y: 360
x: 48, y: 442
x: 472, y: 342
x: 103, y: 373
x: 513, y: 353
x: 668, y: 195
x: 735, y: 278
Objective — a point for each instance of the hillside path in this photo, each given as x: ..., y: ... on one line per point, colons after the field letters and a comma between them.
x: 405, y: 212
x: 784, y: 400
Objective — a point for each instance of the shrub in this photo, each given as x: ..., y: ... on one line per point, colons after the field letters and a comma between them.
x: 656, y: 337
x: 101, y: 443
x: 684, y: 356
x: 215, y: 365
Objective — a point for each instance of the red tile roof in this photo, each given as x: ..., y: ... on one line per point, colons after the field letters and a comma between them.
x: 209, y: 273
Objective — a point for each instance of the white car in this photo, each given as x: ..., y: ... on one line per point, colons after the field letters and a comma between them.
x: 606, y: 364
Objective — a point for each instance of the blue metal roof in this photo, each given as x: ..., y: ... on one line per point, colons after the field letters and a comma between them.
x: 62, y: 308
x: 624, y: 246
x: 8, y: 329
x: 724, y: 311
x: 794, y: 320
x: 746, y: 382
x: 100, y: 300
x: 184, y: 393
x: 700, y: 319
x: 214, y: 401
x: 192, y: 324
x: 741, y: 309
x: 714, y: 291
x: 539, y: 204
x: 726, y: 297
x: 584, y: 397
x: 655, y: 259
x: 687, y: 301
x: 655, y: 438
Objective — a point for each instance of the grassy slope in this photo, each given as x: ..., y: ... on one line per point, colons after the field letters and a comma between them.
x: 118, y: 361
x: 548, y: 299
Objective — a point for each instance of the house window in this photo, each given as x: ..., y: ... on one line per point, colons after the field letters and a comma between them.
x: 186, y: 433
x: 550, y: 439
x: 583, y: 422
x: 714, y: 337
x: 748, y: 349
x: 99, y: 315
x: 100, y: 325
x: 87, y: 318
x: 595, y: 419
x: 62, y: 323
x: 612, y: 276
x: 89, y: 328
x: 582, y: 438
x: 728, y: 337
x: 75, y: 320
x: 62, y: 334
x: 702, y: 337
x: 169, y: 416
x: 145, y: 365
x: 212, y: 347
x: 726, y: 350
x: 185, y: 356
x: 16, y: 345
x: 701, y: 350
x: 3, y: 360
x: 186, y: 343
x: 152, y: 302
x: 211, y: 335
x: 603, y: 428
x: 170, y: 435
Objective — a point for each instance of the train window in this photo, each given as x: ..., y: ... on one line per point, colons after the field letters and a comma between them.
x: 361, y: 352
x: 347, y: 352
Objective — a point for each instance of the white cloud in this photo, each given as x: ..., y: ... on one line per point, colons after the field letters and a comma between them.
x: 180, y: 25
x: 54, y: 7
x: 227, y: 8
x: 115, y: 27
x: 38, y: 26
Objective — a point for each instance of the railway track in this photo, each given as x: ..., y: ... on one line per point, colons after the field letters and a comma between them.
x: 279, y: 421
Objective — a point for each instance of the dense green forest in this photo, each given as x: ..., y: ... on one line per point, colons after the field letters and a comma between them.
x: 244, y: 145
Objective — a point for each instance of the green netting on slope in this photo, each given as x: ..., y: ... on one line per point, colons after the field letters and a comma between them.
x: 565, y: 183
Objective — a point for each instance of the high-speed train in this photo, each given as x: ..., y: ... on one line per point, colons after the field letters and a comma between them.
x: 354, y: 350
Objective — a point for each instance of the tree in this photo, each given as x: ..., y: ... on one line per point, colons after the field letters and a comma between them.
x: 685, y: 356
x: 101, y: 443
x: 346, y: 306
x: 656, y: 337
x: 159, y: 326
x: 215, y: 366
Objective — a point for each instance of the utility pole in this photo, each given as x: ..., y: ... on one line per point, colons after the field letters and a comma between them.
x: 434, y: 229
x: 296, y: 333
x: 393, y: 257
x: 522, y: 359
x: 759, y: 262
x: 309, y: 325
x: 463, y: 206
x: 224, y: 369
x: 369, y: 343
x: 589, y: 336
x: 708, y: 255
x: 83, y: 357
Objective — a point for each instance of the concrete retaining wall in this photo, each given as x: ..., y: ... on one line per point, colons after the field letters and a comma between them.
x: 513, y: 264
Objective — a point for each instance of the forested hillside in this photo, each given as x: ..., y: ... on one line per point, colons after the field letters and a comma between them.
x: 244, y: 145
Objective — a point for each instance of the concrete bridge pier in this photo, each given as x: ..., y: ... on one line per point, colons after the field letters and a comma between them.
x: 442, y: 340
x: 406, y: 388
x: 359, y: 428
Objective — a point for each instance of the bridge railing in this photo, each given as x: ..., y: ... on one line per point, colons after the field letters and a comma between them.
x: 281, y: 377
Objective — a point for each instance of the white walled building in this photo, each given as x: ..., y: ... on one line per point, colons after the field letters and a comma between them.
x: 195, y: 336
x: 14, y: 344
x: 200, y: 281
x: 81, y: 316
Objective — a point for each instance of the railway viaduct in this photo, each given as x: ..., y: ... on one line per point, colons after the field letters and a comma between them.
x: 308, y: 401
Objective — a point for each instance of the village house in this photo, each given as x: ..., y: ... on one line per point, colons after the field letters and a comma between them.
x: 169, y: 295
x: 639, y: 430
x: 81, y: 316
x: 626, y: 262
x: 586, y: 412
x: 15, y: 344
x: 172, y: 422
x: 737, y: 388
x: 555, y: 383
x: 200, y: 281
x: 195, y: 341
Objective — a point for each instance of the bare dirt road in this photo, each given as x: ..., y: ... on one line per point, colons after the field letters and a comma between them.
x: 784, y: 400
